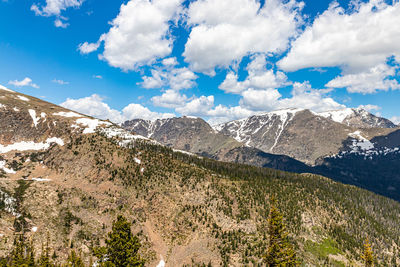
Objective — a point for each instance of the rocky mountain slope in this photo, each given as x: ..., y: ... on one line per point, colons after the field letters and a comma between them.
x: 358, y: 118
x: 294, y: 140
x: 69, y: 175
x: 196, y: 136
x: 302, y: 134
x: 187, y: 133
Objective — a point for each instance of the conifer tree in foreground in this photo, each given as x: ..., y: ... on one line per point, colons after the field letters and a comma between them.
x: 368, y: 256
x: 280, y: 252
x: 122, y: 247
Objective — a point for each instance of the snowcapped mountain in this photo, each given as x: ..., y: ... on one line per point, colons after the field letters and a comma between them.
x: 29, y: 124
x: 303, y: 134
x: 186, y: 133
x: 358, y: 117
x: 197, y: 136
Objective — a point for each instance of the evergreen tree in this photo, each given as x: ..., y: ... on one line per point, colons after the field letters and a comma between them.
x: 74, y: 260
x: 280, y: 252
x: 31, y: 255
x: 44, y: 260
x: 18, y: 254
x: 368, y: 256
x: 122, y: 246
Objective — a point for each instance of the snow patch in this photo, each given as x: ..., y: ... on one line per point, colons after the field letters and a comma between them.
x: 30, y: 145
x: 337, y: 115
x: 69, y: 114
x: 10, y: 203
x: 91, y: 124
x: 33, y: 116
x: 138, y: 161
x: 6, y: 89
x: 161, y: 263
x: 360, y: 142
x: 56, y: 140
x: 15, y: 109
x: 191, y: 117
x: 3, y: 167
x: 124, y: 137
x: 2, y: 106
x: 23, y: 98
x: 184, y: 152
x: 34, y: 229
x: 40, y: 179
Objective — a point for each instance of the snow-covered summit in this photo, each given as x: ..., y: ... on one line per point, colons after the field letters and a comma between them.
x: 357, y: 117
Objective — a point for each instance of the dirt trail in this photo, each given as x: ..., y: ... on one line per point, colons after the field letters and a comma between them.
x: 159, y: 245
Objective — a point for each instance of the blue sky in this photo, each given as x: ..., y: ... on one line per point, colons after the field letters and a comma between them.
x: 217, y: 59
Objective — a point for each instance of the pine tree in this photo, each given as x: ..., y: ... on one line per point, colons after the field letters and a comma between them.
x: 74, y: 260
x: 31, y: 255
x: 44, y: 260
x: 368, y: 256
x: 122, y: 247
x: 280, y: 252
x: 18, y: 254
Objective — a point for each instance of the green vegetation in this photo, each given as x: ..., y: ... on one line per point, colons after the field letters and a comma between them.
x: 324, y: 249
x: 121, y: 250
x: 228, y: 204
x: 368, y: 256
x: 121, y: 246
x: 280, y: 252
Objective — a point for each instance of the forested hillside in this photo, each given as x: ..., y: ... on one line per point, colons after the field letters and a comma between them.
x: 191, y: 210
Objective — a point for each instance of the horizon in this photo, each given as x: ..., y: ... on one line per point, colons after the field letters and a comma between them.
x: 221, y: 123
x: 179, y: 59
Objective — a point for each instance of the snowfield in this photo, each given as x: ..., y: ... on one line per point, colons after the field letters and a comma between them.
x: 68, y: 114
x: 337, y: 115
x: 23, y: 98
x: 30, y: 145
x: 360, y: 142
x: 91, y: 124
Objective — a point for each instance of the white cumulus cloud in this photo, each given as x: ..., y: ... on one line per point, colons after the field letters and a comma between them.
x: 260, y: 101
x: 355, y: 40
x: 169, y: 99
x: 375, y: 79
x: 25, y: 82
x: 259, y: 77
x: 95, y: 106
x: 173, y: 78
x: 225, y: 31
x: 87, y: 48
x: 198, y: 106
x: 139, y: 34
x: 54, y: 8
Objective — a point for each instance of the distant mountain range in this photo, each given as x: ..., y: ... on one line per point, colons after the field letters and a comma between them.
x: 338, y: 144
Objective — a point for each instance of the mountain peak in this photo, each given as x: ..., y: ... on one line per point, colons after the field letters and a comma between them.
x: 358, y: 118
